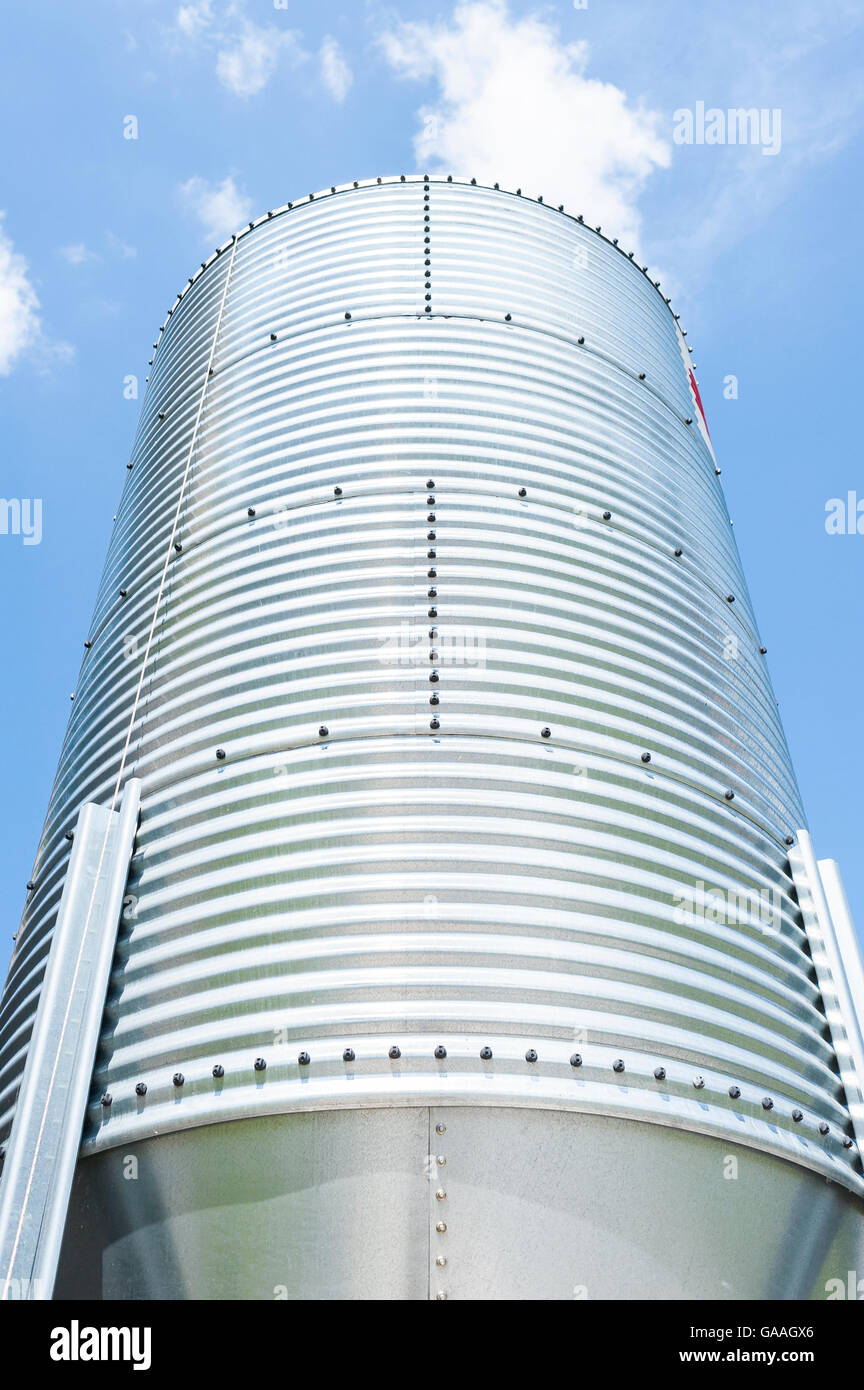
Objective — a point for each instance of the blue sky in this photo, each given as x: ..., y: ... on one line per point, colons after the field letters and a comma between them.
x: 242, y: 106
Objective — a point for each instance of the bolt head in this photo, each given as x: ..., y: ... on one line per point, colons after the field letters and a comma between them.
x: 823, y: 1128
x: 395, y: 1053
x: 323, y: 731
x: 429, y: 483
x: 441, y: 1227
x: 178, y: 1078
x: 735, y: 1092
x: 440, y: 1052
x: 220, y: 754
x: 440, y: 1160
x: 576, y: 1059
x: 797, y: 1116
x: 546, y: 733
x: 441, y: 1261
x: 699, y: 1083
x: 523, y: 492
x: 486, y: 1054
x: 440, y: 1129
x: 607, y: 516
x: 618, y: 1064
x: 659, y: 1073
x: 531, y: 1055
x: 304, y: 1059
x: 440, y: 1195
x: 767, y: 1103
x: 141, y: 1088
x: 260, y: 1064
x: 646, y: 757
x: 107, y: 1099
x: 218, y: 1071
x: 730, y: 795
x: 348, y: 1055
x: 434, y: 723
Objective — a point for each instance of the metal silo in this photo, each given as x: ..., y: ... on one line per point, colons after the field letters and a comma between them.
x: 472, y: 944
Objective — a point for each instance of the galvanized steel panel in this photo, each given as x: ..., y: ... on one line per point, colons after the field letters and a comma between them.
x: 474, y: 884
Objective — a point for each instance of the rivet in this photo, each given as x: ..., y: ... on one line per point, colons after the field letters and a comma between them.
x: 797, y: 1116
x: 434, y: 699
x: 304, y: 1059
x: 659, y: 1073
x: 123, y: 593
x: 823, y: 1128
x: 440, y: 1160
x: 530, y: 1055
x: 762, y: 651
x: 440, y: 1194
x: 432, y: 574
x: 88, y: 645
x: 523, y: 492
x: 260, y: 1064
x: 474, y: 181
x: 218, y: 1071
x: 178, y: 1078
x: 161, y: 414
x: 678, y: 554
x: 434, y: 723
x: 348, y: 1055
x: 646, y: 757
x: 508, y: 318
x: 429, y: 483
x: 431, y: 535
x: 337, y: 492
x: 730, y: 598
x: 347, y: 314
x: 847, y: 1142
x: 106, y: 1100
x: 580, y: 341
x: 431, y: 554
x: 440, y: 1129
x: 618, y: 1064
x: 767, y: 1103
x: 178, y: 546
x: 441, y: 1296
x: 607, y: 516
x: 449, y: 178
x: 433, y: 676
x: 790, y: 839
x: 30, y: 886
x: 394, y: 1054
x: 689, y: 420
x: 220, y: 754
x: 432, y: 592
x: 641, y: 376
x: 699, y: 1082
x: 250, y: 511
x: 441, y: 1261
x: 441, y: 1227
x: 440, y: 1052
x: 430, y: 500
x: 576, y: 1059
x: 430, y: 516
x: 141, y: 1088
x: 546, y: 733
x: 70, y: 834
x: 129, y: 465
x: 486, y: 1054
x: 323, y: 731
x: 735, y: 1092
x: 273, y: 337
x: 730, y: 795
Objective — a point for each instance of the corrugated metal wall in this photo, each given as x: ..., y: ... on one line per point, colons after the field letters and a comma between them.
x: 457, y: 602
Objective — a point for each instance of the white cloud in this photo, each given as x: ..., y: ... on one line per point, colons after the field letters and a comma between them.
x: 19, y: 305
x: 335, y: 72
x: 514, y: 105
x: 193, y: 19
x: 247, y: 63
x: 220, y: 208
x: 78, y: 253
x: 119, y: 247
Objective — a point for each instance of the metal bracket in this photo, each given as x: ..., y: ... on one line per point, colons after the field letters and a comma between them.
x: 49, y: 1115
x: 839, y: 970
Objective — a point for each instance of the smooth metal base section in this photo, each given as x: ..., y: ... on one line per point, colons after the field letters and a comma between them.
x: 49, y: 1115
x: 456, y: 1203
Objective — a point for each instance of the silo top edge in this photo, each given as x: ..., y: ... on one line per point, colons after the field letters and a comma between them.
x: 336, y: 190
